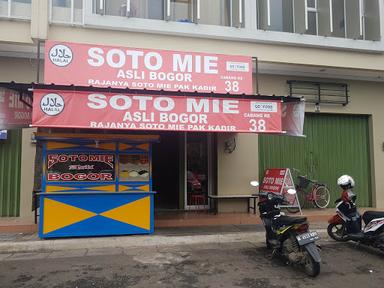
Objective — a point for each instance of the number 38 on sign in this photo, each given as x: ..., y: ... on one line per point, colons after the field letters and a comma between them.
x: 257, y: 125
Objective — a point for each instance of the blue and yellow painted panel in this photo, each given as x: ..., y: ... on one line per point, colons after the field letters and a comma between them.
x: 95, y: 214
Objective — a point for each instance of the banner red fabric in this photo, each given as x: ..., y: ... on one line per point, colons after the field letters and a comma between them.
x: 122, y: 67
x: 273, y: 180
x: 73, y: 109
x: 14, y: 113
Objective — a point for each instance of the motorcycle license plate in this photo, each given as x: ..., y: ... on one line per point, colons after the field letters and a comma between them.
x: 308, y: 237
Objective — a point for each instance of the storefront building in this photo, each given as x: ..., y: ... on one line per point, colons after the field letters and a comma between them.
x: 321, y: 50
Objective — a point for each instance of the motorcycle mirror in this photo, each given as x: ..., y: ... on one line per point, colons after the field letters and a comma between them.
x: 291, y: 191
x: 254, y: 183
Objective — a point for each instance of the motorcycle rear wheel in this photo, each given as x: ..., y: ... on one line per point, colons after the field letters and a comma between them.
x: 311, y: 267
x: 337, y: 232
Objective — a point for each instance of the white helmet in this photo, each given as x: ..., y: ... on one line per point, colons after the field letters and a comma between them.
x: 346, y: 182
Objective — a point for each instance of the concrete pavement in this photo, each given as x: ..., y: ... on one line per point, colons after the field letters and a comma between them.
x: 17, y: 243
x: 170, y: 229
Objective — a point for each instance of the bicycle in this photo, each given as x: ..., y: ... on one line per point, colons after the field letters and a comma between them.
x: 318, y: 194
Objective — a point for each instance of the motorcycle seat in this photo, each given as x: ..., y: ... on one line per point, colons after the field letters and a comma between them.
x: 287, y: 220
x: 370, y: 215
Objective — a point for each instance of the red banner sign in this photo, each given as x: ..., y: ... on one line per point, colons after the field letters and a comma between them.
x: 72, y: 109
x: 273, y: 180
x: 14, y: 113
x: 121, y: 67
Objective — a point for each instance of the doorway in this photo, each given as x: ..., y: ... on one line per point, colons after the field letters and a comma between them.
x: 183, y: 170
x: 166, y: 171
x: 199, y: 170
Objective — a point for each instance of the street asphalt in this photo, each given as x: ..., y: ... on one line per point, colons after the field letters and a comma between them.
x: 238, y: 260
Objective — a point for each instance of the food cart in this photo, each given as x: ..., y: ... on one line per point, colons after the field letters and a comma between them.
x: 96, y: 184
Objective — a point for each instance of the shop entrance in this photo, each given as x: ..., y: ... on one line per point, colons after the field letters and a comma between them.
x: 199, y: 167
x: 183, y: 166
x: 166, y: 171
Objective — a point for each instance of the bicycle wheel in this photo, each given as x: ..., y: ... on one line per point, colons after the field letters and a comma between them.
x: 322, y: 196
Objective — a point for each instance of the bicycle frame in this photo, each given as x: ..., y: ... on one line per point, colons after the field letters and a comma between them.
x: 318, y: 193
x: 310, y: 194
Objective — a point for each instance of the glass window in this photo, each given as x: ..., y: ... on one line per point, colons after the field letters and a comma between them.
x: 237, y: 16
x: 62, y: 11
x: 61, y: 3
x: 312, y: 23
x: 352, y: 9
x: 362, y: 21
x: 148, y: 9
x: 215, y: 12
x: 115, y: 7
x: 275, y: 15
x: 197, y: 169
x: 331, y: 19
x: 181, y: 10
x: 134, y: 167
x: 18, y: 8
x: 110, y: 7
x: 338, y: 18
x: 21, y: 8
x: 4, y: 8
x: 371, y: 20
x: 311, y: 3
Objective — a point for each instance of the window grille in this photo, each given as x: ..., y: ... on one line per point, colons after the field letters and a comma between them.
x: 320, y: 92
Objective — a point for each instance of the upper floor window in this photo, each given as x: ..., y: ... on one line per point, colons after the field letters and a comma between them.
x: 355, y: 19
x: 66, y: 11
x: 181, y: 10
x: 213, y: 12
x: 15, y: 9
x: 148, y: 9
x: 276, y: 15
x: 311, y: 19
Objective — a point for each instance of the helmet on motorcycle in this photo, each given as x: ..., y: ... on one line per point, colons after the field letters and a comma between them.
x: 346, y: 182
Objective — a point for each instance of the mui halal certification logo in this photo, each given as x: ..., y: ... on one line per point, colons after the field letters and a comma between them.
x: 60, y: 55
x: 52, y: 104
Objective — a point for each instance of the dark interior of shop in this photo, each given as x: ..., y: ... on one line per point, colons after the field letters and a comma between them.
x: 165, y: 171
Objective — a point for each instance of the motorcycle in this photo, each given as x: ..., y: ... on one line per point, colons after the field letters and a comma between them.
x: 288, y: 236
x: 346, y: 224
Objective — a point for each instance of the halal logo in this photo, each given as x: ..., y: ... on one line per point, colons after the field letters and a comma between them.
x: 60, y: 55
x: 52, y: 104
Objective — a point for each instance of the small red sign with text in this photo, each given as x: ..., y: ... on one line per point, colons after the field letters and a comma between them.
x: 273, y: 180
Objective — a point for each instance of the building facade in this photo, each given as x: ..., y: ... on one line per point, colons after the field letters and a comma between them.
x: 328, y: 51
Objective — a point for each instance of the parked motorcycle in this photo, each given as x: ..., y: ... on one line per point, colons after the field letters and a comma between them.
x: 288, y: 236
x: 346, y: 224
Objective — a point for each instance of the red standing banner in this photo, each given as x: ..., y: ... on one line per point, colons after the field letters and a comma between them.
x: 121, y: 67
x: 82, y: 109
x: 273, y: 180
x: 279, y: 181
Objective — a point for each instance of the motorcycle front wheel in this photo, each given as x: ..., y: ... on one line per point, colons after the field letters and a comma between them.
x: 337, y: 232
x: 311, y: 267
